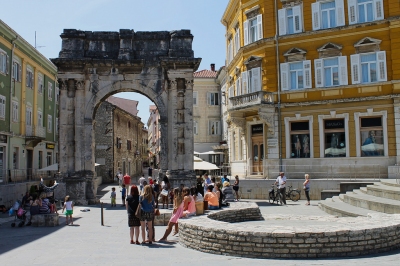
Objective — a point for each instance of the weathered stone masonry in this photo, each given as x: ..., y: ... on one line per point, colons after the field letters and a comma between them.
x: 94, y: 65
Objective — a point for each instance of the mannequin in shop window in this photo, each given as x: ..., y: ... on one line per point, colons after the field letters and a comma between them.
x: 297, y: 146
x: 306, y: 146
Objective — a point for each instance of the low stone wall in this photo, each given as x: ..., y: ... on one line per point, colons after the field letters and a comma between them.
x: 337, y: 237
x: 45, y: 220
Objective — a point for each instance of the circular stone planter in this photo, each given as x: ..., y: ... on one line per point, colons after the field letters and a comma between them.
x: 298, y: 237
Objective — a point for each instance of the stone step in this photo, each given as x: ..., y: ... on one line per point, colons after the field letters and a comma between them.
x: 337, y: 207
x: 382, y: 191
x: 391, y: 182
x: 359, y: 199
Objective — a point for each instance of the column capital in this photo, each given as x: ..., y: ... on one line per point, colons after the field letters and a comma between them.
x: 268, y: 117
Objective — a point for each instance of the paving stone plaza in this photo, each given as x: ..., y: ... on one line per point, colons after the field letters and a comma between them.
x: 89, y: 243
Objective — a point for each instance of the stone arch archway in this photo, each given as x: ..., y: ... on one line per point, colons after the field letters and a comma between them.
x: 94, y: 65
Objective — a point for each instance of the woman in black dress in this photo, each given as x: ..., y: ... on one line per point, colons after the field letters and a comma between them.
x: 132, y: 202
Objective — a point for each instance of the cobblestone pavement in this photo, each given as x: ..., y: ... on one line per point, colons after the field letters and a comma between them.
x: 89, y: 243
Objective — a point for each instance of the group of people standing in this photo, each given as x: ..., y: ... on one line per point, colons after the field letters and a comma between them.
x: 281, y: 182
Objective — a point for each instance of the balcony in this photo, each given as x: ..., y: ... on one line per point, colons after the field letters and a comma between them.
x: 34, y: 135
x: 250, y: 100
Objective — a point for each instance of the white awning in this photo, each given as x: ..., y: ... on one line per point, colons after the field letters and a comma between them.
x: 203, y: 165
x: 212, y: 152
x: 53, y: 167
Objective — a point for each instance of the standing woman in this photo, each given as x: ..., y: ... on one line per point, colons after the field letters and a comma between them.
x: 177, y: 213
x: 147, y: 213
x: 306, y: 185
x: 132, y: 202
x: 165, y: 191
x: 236, y: 187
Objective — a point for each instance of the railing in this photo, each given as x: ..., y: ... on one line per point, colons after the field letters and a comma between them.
x: 36, y: 131
x: 332, y: 171
x: 10, y: 176
x: 250, y: 99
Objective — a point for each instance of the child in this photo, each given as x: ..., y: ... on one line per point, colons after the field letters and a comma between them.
x: 69, y: 206
x: 113, y: 197
x: 123, y: 192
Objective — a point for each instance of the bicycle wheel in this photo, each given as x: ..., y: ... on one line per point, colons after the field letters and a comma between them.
x: 271, y: 197
x: 294, y: 195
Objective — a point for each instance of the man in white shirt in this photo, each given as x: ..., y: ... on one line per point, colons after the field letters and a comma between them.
x: 141, y: 180
x: 281, y: 181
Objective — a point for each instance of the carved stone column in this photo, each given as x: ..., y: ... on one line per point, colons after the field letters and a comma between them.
x: 79, y: 124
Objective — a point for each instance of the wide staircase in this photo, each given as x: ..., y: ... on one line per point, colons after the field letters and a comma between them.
x: 381, y: 197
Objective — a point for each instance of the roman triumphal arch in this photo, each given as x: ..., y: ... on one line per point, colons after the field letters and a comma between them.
x: 94, y: 65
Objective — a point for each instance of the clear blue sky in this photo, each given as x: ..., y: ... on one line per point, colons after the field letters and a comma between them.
x: 50, y: 17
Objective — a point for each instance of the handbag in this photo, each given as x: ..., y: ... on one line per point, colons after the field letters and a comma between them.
x: 156, y: 212
x: 138, y: 212
x: 164, y: 192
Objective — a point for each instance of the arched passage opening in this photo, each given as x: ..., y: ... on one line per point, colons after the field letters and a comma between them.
x: 94, y: 65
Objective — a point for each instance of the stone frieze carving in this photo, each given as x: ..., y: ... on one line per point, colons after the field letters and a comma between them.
x: 268, y: 117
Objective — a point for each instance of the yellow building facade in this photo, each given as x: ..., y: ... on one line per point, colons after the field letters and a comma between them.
x: 312, y: 87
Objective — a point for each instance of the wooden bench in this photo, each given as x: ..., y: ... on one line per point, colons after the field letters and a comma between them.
x: 39, y: 220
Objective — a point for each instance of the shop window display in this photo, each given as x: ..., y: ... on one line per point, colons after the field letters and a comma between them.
x: 300, y: 140
x: 371, y: 137
x: 335, y: 138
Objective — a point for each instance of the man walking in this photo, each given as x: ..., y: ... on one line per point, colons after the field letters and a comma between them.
x: 281, y: 181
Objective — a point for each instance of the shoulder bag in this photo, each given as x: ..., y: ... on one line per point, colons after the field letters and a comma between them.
x: 138, y: 212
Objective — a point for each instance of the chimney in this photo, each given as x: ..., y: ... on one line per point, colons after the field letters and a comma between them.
x: 212, y: 67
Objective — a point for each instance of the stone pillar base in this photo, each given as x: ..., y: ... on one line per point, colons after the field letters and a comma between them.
x: 45, y: 220
x: 185, y: 177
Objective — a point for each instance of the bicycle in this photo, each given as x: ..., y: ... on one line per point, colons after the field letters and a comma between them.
x: 274, y: 195
x: 293, y: 194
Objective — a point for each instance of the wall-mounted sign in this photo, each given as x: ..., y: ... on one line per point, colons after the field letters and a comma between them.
x: 257, y: 129
x: 50, y: 146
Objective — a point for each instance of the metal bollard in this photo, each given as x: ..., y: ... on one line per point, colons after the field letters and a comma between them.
x: 102, y: 215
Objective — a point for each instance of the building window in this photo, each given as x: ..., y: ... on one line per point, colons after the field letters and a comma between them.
x: 57, y: 125
x: 331, y: 72
x: 195, y: 98
x: 371, y: 134
x: 29, y: 78
x: 40, y: 84
x: 213, y: 98
x: 119, y: 143
x: 16, y: 158
x: 238, y: 86
x: 3, y: 62
x: 28, y: 115
x: 290, y: 20
x: 361, y: 11
x: 335, y: 138
x: 253, y: 30
x: 57, y: 94
x: 16, y: 71
x: 195, y: 128
x: 296, y: 75
x: 300, y: 139
x: 251, y: 80
x: 214, y: 128
x: 327, y: 15
x: 40, y: 119
x: 49, y: 158
x: 368, y: 67
x: 129, y: 145
x: 2, y: 107
x: 15, y: 112
x: 50, y: 91
x: 40, y: 160
x: 236, y: 41
x: 49, y: 124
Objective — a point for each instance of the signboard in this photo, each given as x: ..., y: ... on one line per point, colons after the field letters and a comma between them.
x: 50, y: 146
x: 337, y: 123
x: 257, y: 129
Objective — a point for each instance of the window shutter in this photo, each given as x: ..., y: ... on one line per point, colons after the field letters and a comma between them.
x: 239, y: 86
x: 231, y: 92
x: 19, y: 73
x: 285, y: 76
x: 339, y: 12
x: 7, y: 65
x: 298, y: 22
x: 256, y: 79
x: 27, y: 79
x: 208, y: 98
x: 316, y: 17
x: 244, y: 82
x: 259, y: 27
x: 307, y: 74
x: 218, y: 128
x: 352, y: 6
x: 319, y: 78
x: 343, y: 80
x: 282, y: 21
x: 246, y: 30
x: 382, y: 73
x: 237, y: 40
x: 355, y: 69
x: 230, y: 46
x: 209, y: 127
x: 378, y: 10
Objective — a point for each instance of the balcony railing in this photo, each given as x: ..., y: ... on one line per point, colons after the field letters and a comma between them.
x: 36, y: 131
x: 250, y: 100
